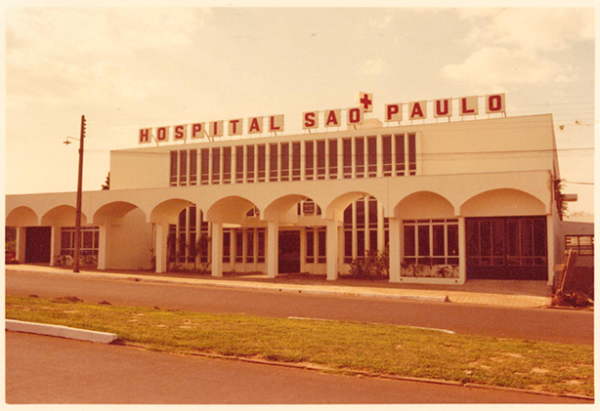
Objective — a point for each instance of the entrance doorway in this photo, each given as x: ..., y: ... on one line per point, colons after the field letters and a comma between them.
x: 289, y: 252
x: 512, y: 248
x: 37, y: 245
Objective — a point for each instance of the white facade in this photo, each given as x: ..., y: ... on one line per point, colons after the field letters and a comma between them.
x: 450, y: 201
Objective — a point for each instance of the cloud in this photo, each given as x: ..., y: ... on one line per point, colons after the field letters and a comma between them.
x: 500, y: 67
x: 373, y: 67
x: 542, y: 29
x: 380, y: 23
x: 80, y: 54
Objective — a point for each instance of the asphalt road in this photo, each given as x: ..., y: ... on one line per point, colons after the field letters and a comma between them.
x: 533, y: 324
x: 52, y: 370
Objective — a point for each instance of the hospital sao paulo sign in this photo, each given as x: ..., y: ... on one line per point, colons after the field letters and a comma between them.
x: 417, y: 110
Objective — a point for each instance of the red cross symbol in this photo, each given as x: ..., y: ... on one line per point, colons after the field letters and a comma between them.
x: 366, y: 100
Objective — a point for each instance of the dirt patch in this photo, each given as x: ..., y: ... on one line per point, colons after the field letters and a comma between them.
x: 68, y: 300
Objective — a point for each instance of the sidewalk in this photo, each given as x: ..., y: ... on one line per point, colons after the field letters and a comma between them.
x: 506, y: 293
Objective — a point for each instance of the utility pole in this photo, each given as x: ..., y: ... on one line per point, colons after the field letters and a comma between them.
x: 78, y: 212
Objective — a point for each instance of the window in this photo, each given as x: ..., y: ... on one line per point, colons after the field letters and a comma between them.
x: 250, y: 246
x: 262, y: 163
x: 204, y: 159
x: 183, y: 167
x: 204, y: 234
x: 285, y: 161
x: 226, y: 246
x: 250, y: 164
x: 360, y: 228
x: 296, y: 162
x: 216, y: 165
x: 226, y: 165
x: 372, y: 224
x: 347, y: 147
x: 387, y: 155
x: 321, y: 160
x: 260, y: 232
x: 239, y: 164
x: 181, y: 236
x: 239, y: 246
x: 173, y: 179
x: 88, y: 242
x: 359, y: 162
x: 333, y: 159
x: 309, y: 161
x: 400, y: 156
x: 310, y: 246
x: 273, y: 162
x: 348, y: 223
x: 322, y: 245
x: 192, y: 230
x: 431, y: 241
x: 583, y: 244
x: 193, y: 167
x: 514, y: 241
x: 172, y: 243
x: 372, y: 156
x: 412, y: 154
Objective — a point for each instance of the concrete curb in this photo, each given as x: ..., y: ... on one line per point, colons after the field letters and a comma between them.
x: 247, y: 286
x: 350, y: 372
x: 60, y: 331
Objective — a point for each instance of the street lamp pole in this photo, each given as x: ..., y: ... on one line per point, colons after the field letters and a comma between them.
x: 79, y: 188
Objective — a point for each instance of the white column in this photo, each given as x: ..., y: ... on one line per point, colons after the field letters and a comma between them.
x: 54, y: 250
x: 303, y: 250
x: 102, y: 252
x: 332, y: 250
x: 462, y: 251
x: 217, y: 250
x: 21, y: 244
x: 272, y: 249
x: 160, y: 247
x: 551, y: 250
x: 395, y: 251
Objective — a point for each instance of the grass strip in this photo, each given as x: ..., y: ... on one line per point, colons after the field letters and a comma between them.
x: 341, y: 345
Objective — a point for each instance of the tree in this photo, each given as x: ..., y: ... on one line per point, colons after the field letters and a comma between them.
x: 106, y: 185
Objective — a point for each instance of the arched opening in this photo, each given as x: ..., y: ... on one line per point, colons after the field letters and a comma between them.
x: 22, y: 217
x: 429, y: 233
x: 363, y: 234
x: 506, y: 236
x: 301, y: 234
x: 62, y: 216
x: 502, y: 202
x: 125, y: 237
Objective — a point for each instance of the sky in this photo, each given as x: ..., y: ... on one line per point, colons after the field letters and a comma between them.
x: 134, y: 67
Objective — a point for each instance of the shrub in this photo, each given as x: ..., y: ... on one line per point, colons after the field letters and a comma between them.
x: 374, y: 265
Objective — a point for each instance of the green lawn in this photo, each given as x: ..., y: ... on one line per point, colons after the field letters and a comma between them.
x: 341, y: 345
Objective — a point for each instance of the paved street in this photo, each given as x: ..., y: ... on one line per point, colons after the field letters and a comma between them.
x: 52, y: 370
x: 535, y: 324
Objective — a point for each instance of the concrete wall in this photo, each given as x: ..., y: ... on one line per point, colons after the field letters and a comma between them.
x: 443, y: 149
x: 129, y: 242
